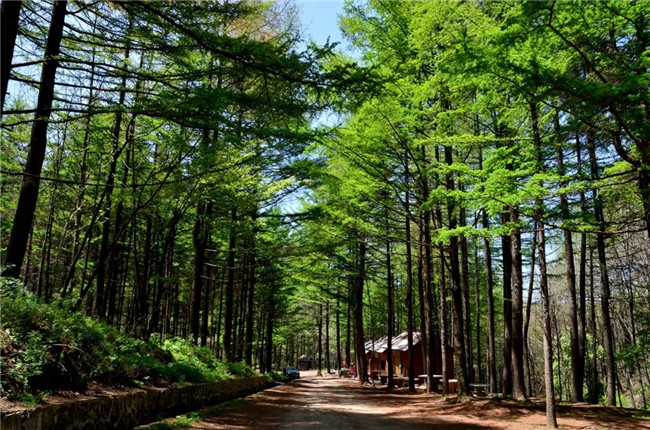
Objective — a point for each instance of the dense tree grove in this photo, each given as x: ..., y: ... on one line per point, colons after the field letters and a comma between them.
x: 487, y: 182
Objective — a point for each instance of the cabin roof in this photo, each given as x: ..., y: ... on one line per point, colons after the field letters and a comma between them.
x: 399, y: 343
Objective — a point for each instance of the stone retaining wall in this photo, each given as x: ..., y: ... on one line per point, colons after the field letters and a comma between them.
x: 130, y: 410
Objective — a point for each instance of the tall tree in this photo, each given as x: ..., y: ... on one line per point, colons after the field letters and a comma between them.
x: 24, y: 216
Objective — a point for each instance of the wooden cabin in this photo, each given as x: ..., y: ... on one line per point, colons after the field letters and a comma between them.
x: 376, y: 354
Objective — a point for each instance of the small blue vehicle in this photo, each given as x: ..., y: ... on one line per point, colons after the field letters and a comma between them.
x: 291, y: 372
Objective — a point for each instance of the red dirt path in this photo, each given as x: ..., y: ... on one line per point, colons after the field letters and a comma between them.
x: 332, y: 403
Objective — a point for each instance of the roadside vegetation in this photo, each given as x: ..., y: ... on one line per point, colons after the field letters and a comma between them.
x: 46, y: 348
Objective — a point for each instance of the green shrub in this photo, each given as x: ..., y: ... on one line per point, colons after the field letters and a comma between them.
x: 45, y: 347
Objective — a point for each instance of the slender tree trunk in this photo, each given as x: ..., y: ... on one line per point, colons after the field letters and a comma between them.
x: 24, y: 216
x: 489, y: 292
x: 582, y: 309
x: 429, y: 332
x: 83, y: 168
x: 390, y: 322
x: 409, y: 281
x: 460, y: 362
x: 604, y: 282
x: 594, y: 392
x: 269, y: 333
x: 43, y: 287
x: 229, y: 293
x: 478, y: 317
x: 348, y: 328
x: 200, y: 240
x: 577, y: 363
x: 320, y: 340
x: 9, y: 15
x: 359, y: 342
x: 464, y: 279
x: 518, y: 379
x: 250, y: 302
x: 424, y: 332
x: 338, y: 328
x: 327, y: 336
x: 443, y: 311
x: 507, y: 309
x: 529, y: 304
x: 107, y: 247
x: 551, y: 418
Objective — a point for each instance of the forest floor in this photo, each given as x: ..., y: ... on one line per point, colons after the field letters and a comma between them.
x: 331, y: 403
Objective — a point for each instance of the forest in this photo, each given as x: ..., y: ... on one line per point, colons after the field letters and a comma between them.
x: 475, y: 171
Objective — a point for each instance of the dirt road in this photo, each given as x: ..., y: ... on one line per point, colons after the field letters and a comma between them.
x: 336, y: 404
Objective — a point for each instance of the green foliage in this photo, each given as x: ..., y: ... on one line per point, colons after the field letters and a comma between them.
x: 47, y: 347
x: 275, y: 376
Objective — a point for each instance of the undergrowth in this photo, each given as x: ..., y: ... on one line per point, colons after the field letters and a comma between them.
x: 45, y: 347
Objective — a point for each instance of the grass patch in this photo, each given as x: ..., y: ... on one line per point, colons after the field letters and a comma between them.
x: 186, y: 421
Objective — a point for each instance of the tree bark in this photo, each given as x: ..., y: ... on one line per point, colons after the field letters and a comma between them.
x: 582, y: 275
x: 460, y: 362
x: 507, y: 309
x: 464, y: 278
x: 200, y: 242
x: 229, y: 293
x: 9, y: 16
x: 518, y: 378
x: 409, y: 280
x: 24, y: 216
x: 250, y: 299
x: 577, y: 364
x: 489, y: 292
x: 443, y: 310
x: 604, y: 281
x: 327, y: 336
x: 551, y: 418
x: 390, y: 322
x: 320, y: 339
x: 359, y: 342
x: 529, y: 304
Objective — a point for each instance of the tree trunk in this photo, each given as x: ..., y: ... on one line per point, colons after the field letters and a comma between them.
x: 200, y: 241
x: 443, y: 311
x: 507, y: 309
x: 604, y: 281
x: 320, y: 340
x: 229, y: 293
x: 359, y: 343
x: 327, y: 336
x: 409, y: 280
x: 464, y: 278
x: 518, y: 384
x: 9, y: 16
x: 348, y: 328
x: 460, y: 362
x: 577, y: 364
x: 478, y: 317
x: 551, y: 419
x: 390, y: 323
x: 269, y: 333
x: 582, y: 319
x: 529, y: 304
x: 107, y: 247
x: 26, y: 206
x: 250, y: 299
x: 489, y: 292
x: 338, y: 328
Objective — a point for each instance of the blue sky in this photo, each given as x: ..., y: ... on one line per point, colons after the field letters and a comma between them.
x: 319, y: 19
